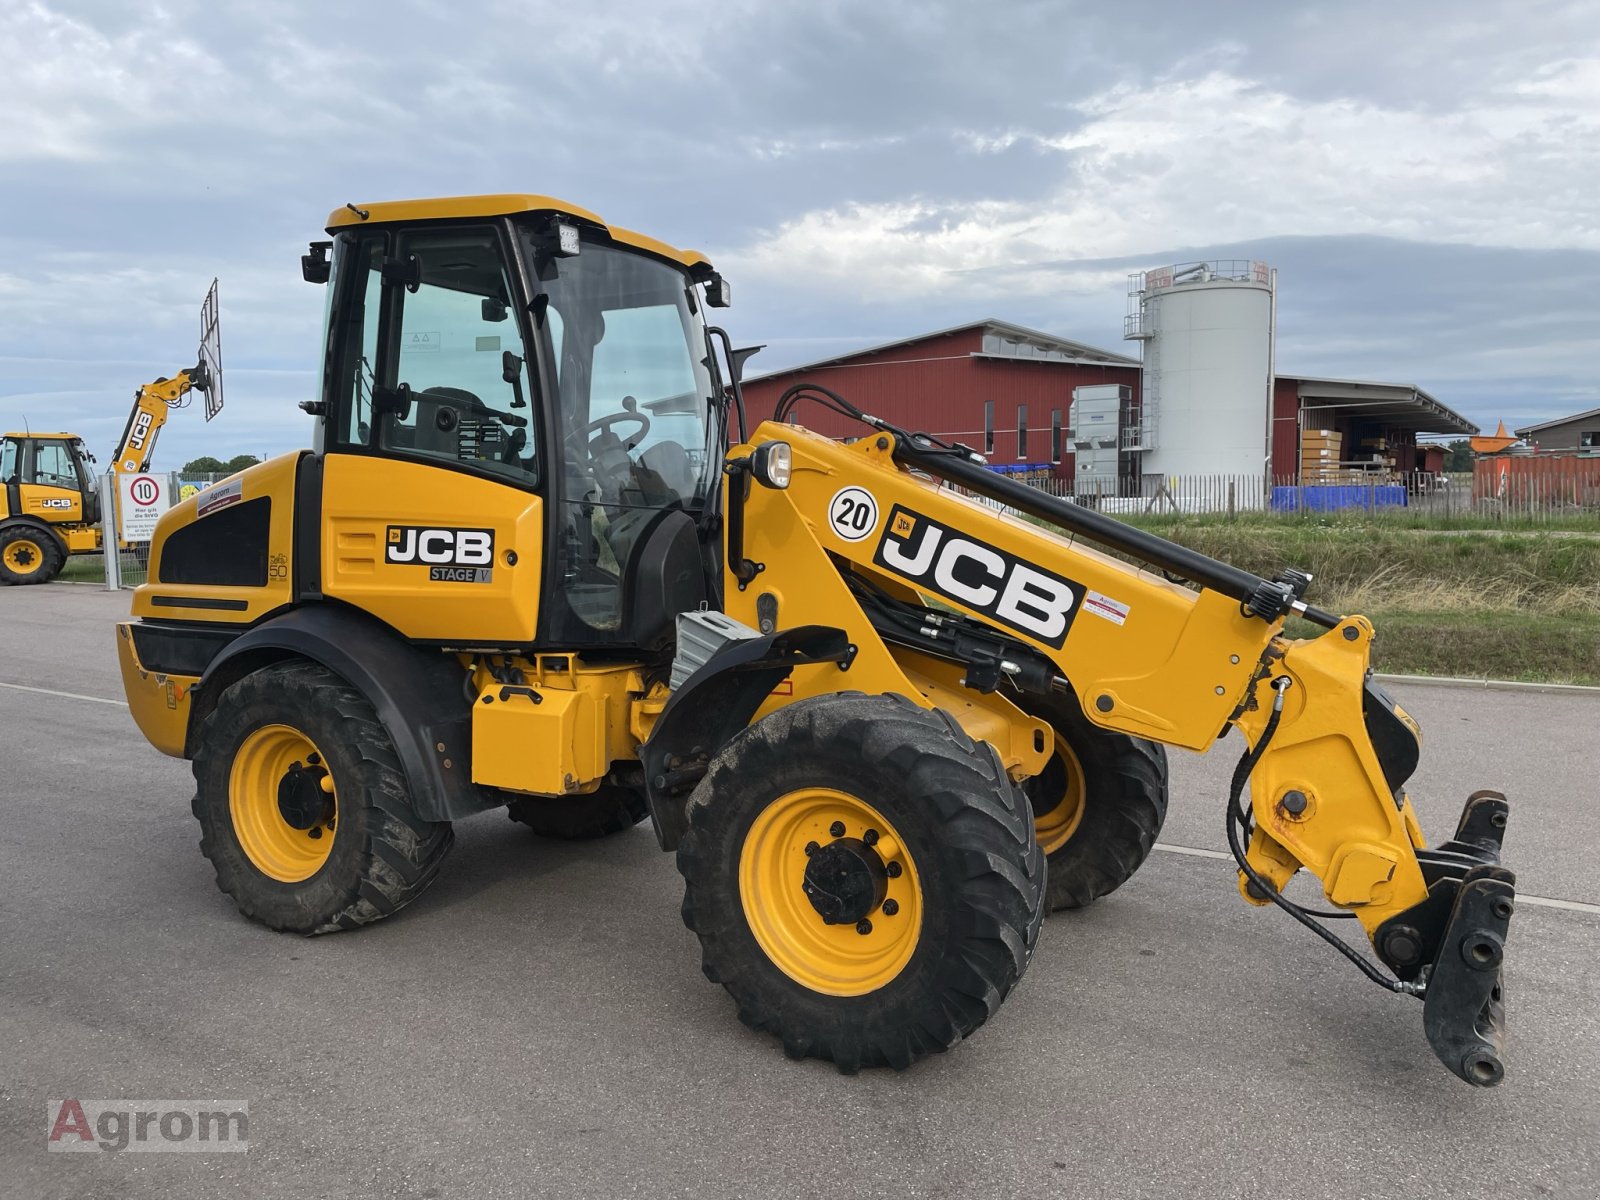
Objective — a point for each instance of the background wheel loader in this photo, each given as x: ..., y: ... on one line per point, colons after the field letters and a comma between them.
x: 50, y: 505
x: 884, y: 726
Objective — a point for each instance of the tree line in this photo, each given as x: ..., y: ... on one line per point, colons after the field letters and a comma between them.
x: 206, y: 465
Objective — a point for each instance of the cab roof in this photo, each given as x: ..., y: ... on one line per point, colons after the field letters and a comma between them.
x: 500, y: 205
x: 17, y: 437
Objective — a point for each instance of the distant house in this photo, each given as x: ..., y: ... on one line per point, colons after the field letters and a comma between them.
x: 1578, y: 433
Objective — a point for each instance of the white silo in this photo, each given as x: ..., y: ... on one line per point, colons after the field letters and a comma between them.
x: 1207, y: 330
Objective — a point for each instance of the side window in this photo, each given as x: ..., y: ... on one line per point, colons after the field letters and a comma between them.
x: 8, y: 461
x: 353, y: 334
x: 458, y: 348
x: 53, y: 466
x: 363, y: 375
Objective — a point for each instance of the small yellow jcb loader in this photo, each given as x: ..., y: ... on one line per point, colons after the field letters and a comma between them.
x: 884, y: 726
x: 49, y: 501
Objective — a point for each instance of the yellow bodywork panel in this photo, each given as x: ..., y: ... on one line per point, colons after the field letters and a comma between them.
x: 272, y: 481
x: 1145, y: 656
x: 159, y: 703
x: 503, y: 204
x: 440, y: 555
x: 80, y: 539
x: 559, y: 730
x: 1352, y: 833
x: 53, y: 505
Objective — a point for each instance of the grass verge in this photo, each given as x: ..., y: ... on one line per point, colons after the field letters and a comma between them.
x: 1498, y: 605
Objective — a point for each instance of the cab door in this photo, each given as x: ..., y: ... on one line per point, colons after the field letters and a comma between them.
x: 432, y: 513
x: 51, y: 486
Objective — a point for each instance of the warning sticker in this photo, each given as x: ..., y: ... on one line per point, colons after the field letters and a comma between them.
x: 1104, y: 606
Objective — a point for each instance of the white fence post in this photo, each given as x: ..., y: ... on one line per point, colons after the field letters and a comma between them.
x: 108, y: 531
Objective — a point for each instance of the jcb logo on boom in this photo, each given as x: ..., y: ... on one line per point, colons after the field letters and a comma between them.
x: 141, y: 430
x: 445, y: 551
x: 1018, y: 595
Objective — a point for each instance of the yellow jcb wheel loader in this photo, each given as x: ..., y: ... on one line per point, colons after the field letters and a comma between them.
x: 884, y: 726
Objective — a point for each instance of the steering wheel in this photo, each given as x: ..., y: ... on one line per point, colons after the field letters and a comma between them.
x: 630, y: 412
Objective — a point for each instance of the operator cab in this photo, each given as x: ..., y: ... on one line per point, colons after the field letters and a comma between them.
x: 54, y: 467
x: 547, y: 352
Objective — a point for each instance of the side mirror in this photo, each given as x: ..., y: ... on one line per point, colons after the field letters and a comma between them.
x: 315, y: 264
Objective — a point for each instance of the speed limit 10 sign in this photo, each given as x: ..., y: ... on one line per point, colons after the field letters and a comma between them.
x: 143, y: 498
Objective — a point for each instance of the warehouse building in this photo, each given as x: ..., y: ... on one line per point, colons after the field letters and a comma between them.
x: 1203, y: 400
x: 1579, y: 434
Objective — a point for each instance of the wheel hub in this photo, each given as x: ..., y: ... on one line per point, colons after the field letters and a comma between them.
x: 845, y: 881
x: 303, y: 801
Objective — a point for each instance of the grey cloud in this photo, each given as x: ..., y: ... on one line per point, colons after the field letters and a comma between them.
x: 707, y: 127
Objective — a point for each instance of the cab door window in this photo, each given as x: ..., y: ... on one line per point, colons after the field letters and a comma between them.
x: 433, y: 364
x: 53, y: 466
x: 457, y: 349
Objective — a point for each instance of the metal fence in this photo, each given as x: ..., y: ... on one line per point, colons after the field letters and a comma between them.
x: 1554, y: 496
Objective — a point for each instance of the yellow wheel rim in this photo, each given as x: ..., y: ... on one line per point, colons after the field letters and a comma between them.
x: 276, y: 848
x: 837, y: 960
x: 1056, y: 827
x: 23, y: 556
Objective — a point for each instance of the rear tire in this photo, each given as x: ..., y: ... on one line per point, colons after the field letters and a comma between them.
x: 607, y: 810
x: 28, y: 555
x: 959, y: 862
x: 369, y: 859
x: 1098, y: 806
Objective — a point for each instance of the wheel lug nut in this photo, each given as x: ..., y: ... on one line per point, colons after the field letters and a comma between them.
x: 870, y: 837
x: 811, y: 848
x: 863, y: 926
x: 837, y: 829
x: 892, y: 870
x: 890, y: 907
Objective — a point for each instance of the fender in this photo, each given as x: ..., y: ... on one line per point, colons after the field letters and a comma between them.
x: 716, y: 703
x: 419, y: 695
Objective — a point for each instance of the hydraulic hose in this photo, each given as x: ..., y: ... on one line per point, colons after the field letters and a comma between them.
x: 1241, y: 775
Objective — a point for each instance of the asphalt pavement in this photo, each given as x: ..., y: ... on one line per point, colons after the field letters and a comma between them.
x: 537, y: 1024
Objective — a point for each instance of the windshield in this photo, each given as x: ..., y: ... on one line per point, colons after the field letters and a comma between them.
x: 634, y: 395
x: 634, y: 411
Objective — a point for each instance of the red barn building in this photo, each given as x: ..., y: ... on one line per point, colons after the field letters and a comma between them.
x: 1000, y: 388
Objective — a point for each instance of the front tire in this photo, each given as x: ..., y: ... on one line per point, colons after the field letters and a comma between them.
x: 304, y: 808
x: 863, y: 879
x: 28, y: 556
x: 1098, y: 805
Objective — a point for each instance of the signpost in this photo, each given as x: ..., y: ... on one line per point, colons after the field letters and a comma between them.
x: 141, y: 501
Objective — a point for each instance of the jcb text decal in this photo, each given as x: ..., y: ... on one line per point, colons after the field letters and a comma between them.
x: 451, y: 555
x: 141, y: 429
x: 1026, y: 598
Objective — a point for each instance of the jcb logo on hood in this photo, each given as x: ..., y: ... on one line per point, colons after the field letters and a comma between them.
x: 427, y: 546
x: 1020, y: 596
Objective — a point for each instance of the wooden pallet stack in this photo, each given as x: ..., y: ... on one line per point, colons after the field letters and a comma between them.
x: 1320, y: 453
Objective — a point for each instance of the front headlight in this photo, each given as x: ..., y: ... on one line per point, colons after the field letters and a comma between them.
x: 770, y: 464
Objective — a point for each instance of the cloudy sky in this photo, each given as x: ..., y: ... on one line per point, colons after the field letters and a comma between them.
x: 1426, y: 176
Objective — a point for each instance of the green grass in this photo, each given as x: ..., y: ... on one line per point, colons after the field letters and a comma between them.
x: 1522, y: 604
